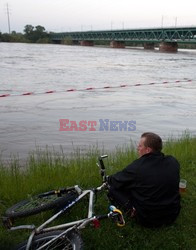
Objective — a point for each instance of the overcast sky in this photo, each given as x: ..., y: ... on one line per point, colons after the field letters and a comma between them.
x: 72, y: 15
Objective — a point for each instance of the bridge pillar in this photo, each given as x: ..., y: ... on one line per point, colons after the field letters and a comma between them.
x: 75, y: 42
x: 149, y: 46
x: 86, y: 43
x: 168, y: 47
x: 117, y: 44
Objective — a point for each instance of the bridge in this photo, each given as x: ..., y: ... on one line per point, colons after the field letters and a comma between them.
x: 167, y: 38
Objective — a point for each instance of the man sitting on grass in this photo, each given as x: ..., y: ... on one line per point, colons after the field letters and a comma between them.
x: 149, y: 186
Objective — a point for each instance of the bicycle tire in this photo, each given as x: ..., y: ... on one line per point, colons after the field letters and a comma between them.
x: 37, y: 204
x: 72, y: 240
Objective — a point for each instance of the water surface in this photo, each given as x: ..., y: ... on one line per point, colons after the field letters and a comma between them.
x: 26, y: 121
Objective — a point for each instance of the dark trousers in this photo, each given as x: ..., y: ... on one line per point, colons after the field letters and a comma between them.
x: 120, y: 199
x: 147, y: 218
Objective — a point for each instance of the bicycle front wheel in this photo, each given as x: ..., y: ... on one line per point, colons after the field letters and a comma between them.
x: 40, y: 203
x: 72, y: 240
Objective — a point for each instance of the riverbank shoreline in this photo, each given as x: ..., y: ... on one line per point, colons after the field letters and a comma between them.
x: 47, y: 171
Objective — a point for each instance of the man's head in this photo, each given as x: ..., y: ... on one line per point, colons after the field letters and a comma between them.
x: 149, y: 142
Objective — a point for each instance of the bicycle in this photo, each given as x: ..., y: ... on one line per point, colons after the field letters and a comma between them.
x: 64, y: 236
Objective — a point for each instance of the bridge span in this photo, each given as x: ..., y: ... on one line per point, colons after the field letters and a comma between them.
x: 167, y: 38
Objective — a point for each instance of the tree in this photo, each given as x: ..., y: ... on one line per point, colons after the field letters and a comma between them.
x: 35, y: 34
x: 40, y: 33
x: 40, y: 29
x: 6, y: 37
x: 18, y: 37
x: 28, y: 29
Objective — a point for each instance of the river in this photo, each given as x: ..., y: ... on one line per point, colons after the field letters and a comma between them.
x: 167, y: 107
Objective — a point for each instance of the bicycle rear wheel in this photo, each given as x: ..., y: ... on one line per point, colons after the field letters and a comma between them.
x: 40, y: 203
x: 70, y: 241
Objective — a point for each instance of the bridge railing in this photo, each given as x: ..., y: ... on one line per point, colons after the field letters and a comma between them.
x: 181, y: 35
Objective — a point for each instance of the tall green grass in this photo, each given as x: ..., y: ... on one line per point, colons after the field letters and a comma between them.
x: 47, y: 170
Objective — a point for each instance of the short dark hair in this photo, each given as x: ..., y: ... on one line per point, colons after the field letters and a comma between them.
x: 152, y: 141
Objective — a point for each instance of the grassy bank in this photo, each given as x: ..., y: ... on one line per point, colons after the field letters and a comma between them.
x: 48, y: 170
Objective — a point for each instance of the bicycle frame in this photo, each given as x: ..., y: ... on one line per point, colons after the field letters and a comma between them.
x: 84, y: 193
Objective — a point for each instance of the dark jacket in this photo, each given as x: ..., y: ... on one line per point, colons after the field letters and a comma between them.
x: 151, y: 183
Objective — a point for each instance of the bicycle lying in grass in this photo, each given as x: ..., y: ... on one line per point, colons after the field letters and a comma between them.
x: 64, y: 236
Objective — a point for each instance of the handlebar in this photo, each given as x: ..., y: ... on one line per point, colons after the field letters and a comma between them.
x: 101, y: 165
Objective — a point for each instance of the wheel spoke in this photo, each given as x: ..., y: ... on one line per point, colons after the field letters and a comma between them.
x: 62, y: 243
x: 70, y: 241
x: 36, y: 201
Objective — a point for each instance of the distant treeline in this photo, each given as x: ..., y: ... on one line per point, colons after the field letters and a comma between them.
x: 38, y: 34
x: 31, y: 34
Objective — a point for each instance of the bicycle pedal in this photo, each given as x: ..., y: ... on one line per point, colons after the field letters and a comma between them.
x: 96, y: 223
x: 7, y: 222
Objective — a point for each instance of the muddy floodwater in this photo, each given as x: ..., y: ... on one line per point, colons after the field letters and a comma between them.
x: 157, y: 93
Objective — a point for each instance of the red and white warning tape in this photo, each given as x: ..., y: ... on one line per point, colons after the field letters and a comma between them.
x: 94, y: 88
